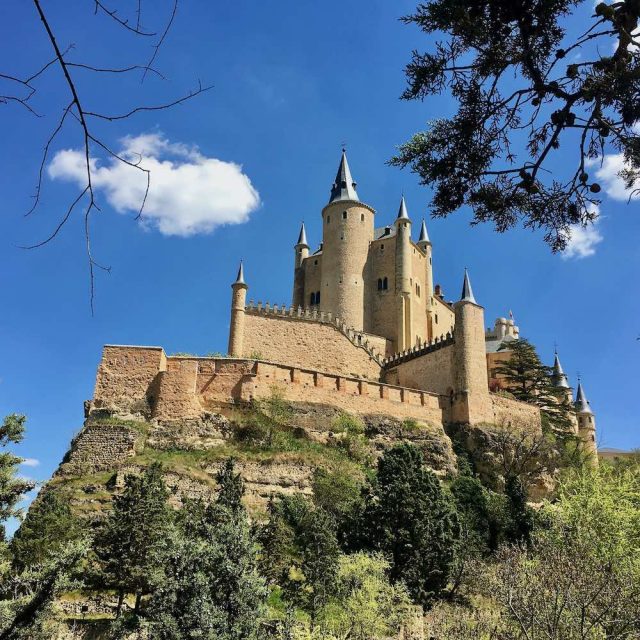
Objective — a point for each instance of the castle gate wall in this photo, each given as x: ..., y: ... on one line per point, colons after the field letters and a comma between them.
x: 307, y: 344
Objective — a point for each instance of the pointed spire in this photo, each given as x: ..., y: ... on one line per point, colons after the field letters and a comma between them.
x: 467, y: 291
x: 559, y: 377
x: 424, y: 236
x: 402, y: 211
x: 344, y: 188
x: 302, y: 238
x: 240, y: 276
x: 581, y: 403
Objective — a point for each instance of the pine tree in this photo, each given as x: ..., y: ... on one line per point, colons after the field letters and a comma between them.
x: 520, y: 514
x: 133, y: 543
x: 410, y: 519
x: 12, y: 488
x: 231, y: 487
x: 49, y: 525
x: 212, y: 587
x: 529, y: 380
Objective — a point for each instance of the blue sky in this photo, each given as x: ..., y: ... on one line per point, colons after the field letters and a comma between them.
x: 292, y: 81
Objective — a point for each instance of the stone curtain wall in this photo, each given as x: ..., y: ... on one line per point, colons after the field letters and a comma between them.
x: 307, y: 344
x: 125, y: 378
x: 433, y: 371
x: 509, y: 412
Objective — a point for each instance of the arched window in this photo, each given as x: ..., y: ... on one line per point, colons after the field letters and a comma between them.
x: 362, y: 217
x: 379, y: 284
x: 385, y: 284
x: 317, y: 297
x: 313, y: 299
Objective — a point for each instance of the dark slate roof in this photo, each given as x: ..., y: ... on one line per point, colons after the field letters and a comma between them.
x: 343, y: 188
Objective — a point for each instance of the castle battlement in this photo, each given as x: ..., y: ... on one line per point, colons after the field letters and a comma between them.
x: 418, y: 350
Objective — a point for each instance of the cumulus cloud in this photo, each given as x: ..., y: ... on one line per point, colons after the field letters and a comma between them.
x: 30, y: 462
x: 189, y: 192
x: 584, y: 239
x: 607, y: 174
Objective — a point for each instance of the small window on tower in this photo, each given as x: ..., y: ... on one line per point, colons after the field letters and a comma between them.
x: 436, y: 318
x: 315, y: 262
x: 317, y: 297
x: 379, y: 284
x: 344, y: 215
x: 362, y: 217
x: 328, y: 219
x: 312, y: 300
x: 385, y: 284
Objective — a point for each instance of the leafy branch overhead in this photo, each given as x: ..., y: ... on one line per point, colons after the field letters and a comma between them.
x: 78, y: 114
x: 527, y: 91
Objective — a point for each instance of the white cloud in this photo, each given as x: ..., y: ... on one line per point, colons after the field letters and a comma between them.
x: 30, y: 462
x: 584, y: 239
x: 607, y: 174
x: 189, y: 193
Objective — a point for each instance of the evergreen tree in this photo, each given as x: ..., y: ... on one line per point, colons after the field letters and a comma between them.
x: 527, y: 80
x: 521, y: 520
x: 319, y: 559
x: 49, y: 525
x: 132, y: 545
x: 212, y: 587
x: 231, y: 487
x: 12, y: 488
x: 529, y: 380
x: 410, y: 519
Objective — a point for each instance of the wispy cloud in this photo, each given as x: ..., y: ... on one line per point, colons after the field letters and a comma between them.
x: 584, y: 239
x: 607, y: 174
x: 30, y: 462
x: 189, y: 193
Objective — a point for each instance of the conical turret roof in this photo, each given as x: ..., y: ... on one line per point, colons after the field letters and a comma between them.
x: 240, y: 276
x: 467, y: 291
x: 344, y: 188
x: 402, y: 211
x: 302, y: 238
x: 581, y: 403
x: 559, y: 377
x: 424, y: 236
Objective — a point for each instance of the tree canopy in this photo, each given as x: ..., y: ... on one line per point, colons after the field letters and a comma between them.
x: 526, y: 89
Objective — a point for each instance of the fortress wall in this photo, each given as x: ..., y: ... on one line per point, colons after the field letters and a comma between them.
x: 177, y: 391
x: 432, y: 371
x: 306, y: 344
x: 349, y: 394
x: 446, y: 318
x: 125, y: 376
x: 381, y: 307
x: 509, y: 412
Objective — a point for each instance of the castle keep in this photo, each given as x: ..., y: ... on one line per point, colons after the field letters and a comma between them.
x: 367, y: 332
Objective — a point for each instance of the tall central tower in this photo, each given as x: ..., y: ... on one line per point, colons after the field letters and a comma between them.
x: 347, y: 231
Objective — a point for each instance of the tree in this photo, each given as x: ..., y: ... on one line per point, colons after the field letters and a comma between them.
x: 338, y: 490
x: 231, y: 487
x: 529, y: 380
x: 521, y: 515
x: 48, y: 527
x: 518, y: 72
x: 76, y: 109
x: 12, y: 488
x: 212, y: 588
x: 409, y: 518
x: 133, y: 542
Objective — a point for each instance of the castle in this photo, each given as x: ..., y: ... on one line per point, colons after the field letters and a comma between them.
x: 367, y: 332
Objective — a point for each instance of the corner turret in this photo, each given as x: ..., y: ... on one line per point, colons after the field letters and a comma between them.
x: 301, y: 251
x: 403, y: 278
x: 238, y: 302
x: 586, y: 425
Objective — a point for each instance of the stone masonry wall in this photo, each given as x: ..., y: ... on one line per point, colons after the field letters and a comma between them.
x: 125, y: 378
x: 433, y: 371
x: 509, y: 412
x: 306, y: 344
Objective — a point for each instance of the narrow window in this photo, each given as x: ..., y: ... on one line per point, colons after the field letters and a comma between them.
x: 344, y: 215
x: 362, y: 217
x: 317, y: 297
x: 379, y: 284
x: 385, y: 284
x: 436, y: 318
x: 313, y: 299
x: 315, y: 262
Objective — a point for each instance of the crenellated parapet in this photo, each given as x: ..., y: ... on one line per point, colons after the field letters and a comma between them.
x: 418, y: 350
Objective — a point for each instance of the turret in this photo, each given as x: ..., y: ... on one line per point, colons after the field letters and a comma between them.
x: 471, y: 393
x: 403, y: 278
x: 424, y: 243
x: 560, y: 380
x: 301, y: 249
x: 238, y: 302
x: 586, y: 425
x: 347, y: 231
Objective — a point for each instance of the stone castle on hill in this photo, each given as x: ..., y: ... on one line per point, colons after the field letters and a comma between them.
x: 367, y: 333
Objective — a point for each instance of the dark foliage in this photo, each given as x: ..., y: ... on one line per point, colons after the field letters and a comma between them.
x: 520, y: 81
